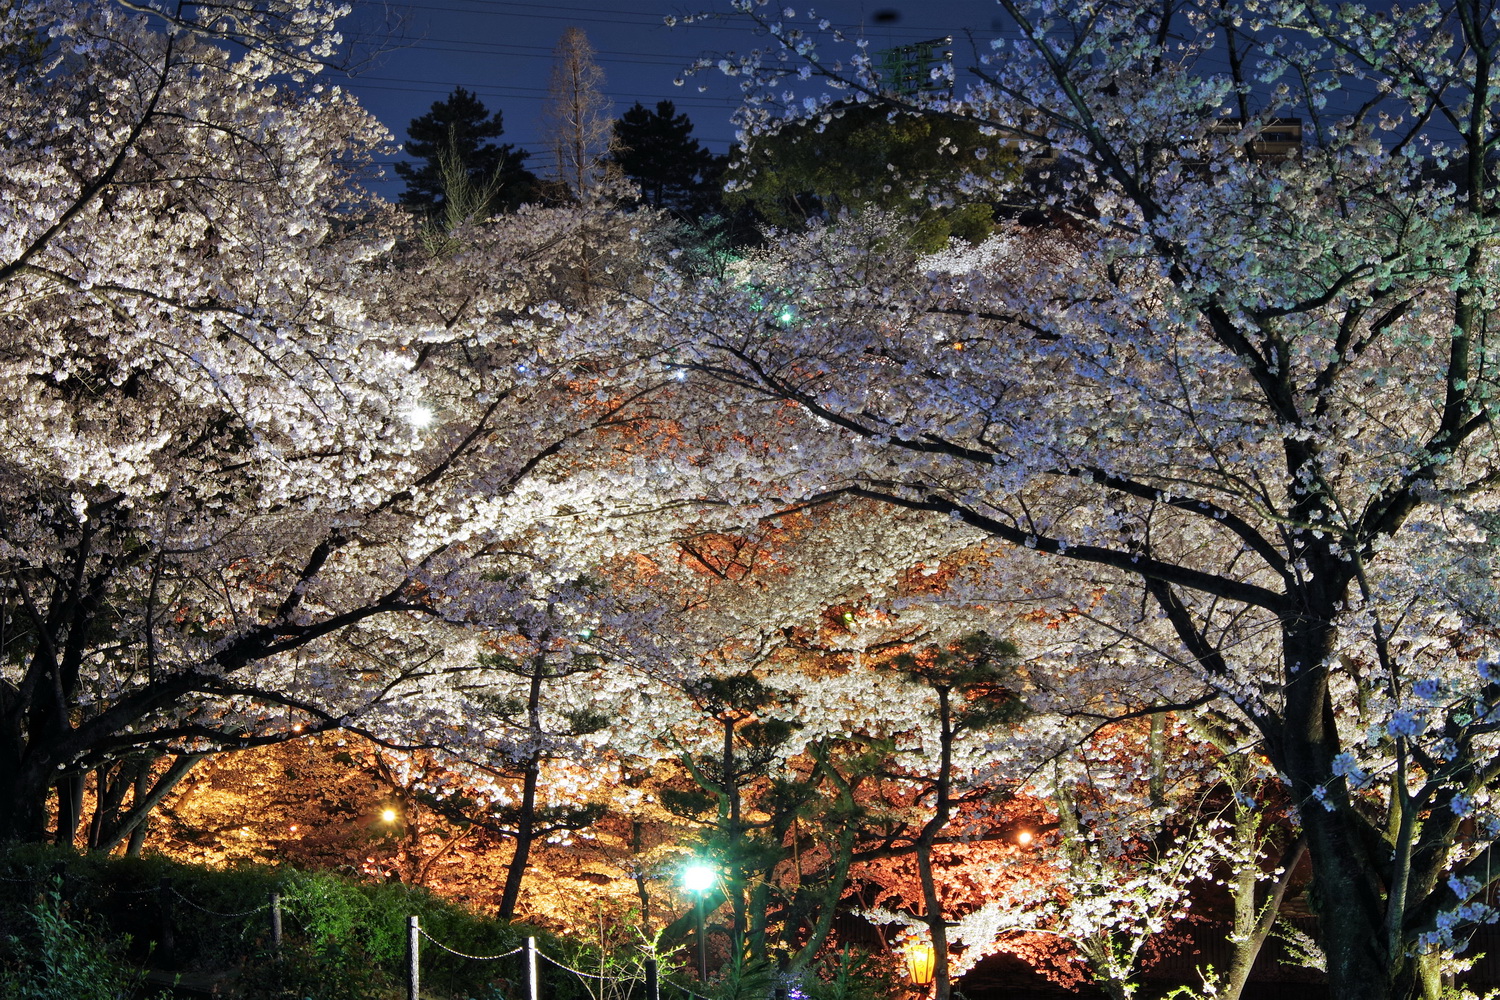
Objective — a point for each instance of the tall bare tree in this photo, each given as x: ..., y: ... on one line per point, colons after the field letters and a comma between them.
x: 577, y: 119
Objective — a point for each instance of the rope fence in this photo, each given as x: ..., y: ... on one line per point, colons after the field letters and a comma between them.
x: 576, y: 972
x: 168, y: 898
x: 460, y: 954
x: 215, y: 913
x: 531, y: 958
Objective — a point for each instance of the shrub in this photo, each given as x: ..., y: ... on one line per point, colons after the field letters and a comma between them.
x: 62, y: 957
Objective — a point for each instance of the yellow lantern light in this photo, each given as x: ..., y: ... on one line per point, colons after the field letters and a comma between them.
x: 920, y: 962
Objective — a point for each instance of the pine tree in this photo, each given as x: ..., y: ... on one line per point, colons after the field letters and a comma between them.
x: 459, y: 129
x: 657, y: 151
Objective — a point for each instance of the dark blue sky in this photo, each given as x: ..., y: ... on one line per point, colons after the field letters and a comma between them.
x: 502, y: 51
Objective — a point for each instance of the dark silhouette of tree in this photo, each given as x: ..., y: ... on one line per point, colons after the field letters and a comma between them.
x: 867, y: 155
x: 459, y: 129
x: 675, y: 173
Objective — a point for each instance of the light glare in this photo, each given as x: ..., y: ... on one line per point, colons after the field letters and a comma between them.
x: 697, y: 877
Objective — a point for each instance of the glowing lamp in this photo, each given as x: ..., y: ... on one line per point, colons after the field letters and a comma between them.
x: 920, y: 962
x: 1023, y: 838
x: 389, y: 815
x: 698, y: 877
x: 420, y: 417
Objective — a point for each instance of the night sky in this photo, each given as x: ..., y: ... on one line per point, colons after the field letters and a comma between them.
x: 502, y: 51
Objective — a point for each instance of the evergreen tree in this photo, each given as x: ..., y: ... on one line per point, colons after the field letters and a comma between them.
x: 459, y: 129
x: 657, y: 151
x: 865, y: 154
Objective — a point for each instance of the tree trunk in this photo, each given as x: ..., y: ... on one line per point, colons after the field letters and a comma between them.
x: 937, y: 926
x: 24, y: 792
x: 525, y: 827
x: 942, y: 806
x: 69, y: 808
x: 526, y: 816
x: 1349, y: 896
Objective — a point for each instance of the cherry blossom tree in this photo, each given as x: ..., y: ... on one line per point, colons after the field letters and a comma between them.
x: 1250, y: 399
x: 269, y: 460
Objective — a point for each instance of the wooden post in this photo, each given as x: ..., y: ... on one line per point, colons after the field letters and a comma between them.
x: 653, y: 980
x: 533, y: 979
x: 276, y: 923
x: 413, y: 949
x: 166, y: 938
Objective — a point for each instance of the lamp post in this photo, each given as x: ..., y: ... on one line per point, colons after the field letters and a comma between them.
x: 698, y: 878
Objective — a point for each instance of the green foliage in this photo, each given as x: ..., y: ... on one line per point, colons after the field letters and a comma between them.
x: 344, y: 939
x: 1210, y: 989
x: 58, y: 956
x: 458, y: 130
x: 617, y: 955
x: 742, y: 692
x: 691, y: 803
x: 744, y: 979
x: 978, y: 667
x: 305, y: 972
x: 872, y: 155
x: 852, y: 975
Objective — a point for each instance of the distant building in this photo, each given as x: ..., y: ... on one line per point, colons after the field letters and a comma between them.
x: 907, y: 69
x: 1279, y: 139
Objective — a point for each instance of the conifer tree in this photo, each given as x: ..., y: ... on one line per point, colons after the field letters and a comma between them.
x: 674, y: 171
x: 458, y: 129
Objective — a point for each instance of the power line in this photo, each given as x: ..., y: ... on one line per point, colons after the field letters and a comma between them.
x: 648, y: 19
x: 523, y: 92
x: 546, y: 52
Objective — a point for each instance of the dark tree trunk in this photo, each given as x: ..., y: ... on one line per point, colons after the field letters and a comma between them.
x: 1348, y: 894
x: 526, y: 816
x: 24, y: 794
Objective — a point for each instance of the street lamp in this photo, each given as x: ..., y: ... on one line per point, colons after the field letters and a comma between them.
x: 698, y: 878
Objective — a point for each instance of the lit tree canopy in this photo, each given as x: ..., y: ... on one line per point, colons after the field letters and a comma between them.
x: 1251, y: 400
x: 869, y: 154
x: 262, y: 463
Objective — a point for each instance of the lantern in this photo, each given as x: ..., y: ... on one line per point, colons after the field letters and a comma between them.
x: 920, y: 961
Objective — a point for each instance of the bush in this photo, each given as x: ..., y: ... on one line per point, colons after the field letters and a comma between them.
x: 338, y: 932
x: 851, y: 975
x: 60, y: 957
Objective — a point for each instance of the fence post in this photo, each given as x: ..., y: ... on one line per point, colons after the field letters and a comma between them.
x: 653, y: 980
x: 533, y: 980
x: 165, y: 936
x: 413, y: 966
x: 276, y: 923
